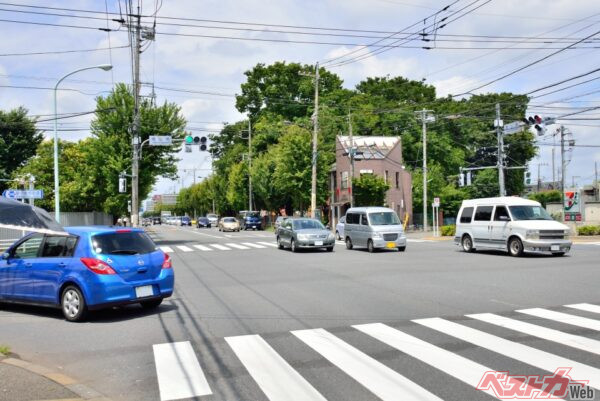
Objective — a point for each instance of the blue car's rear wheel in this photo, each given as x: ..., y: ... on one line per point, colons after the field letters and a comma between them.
x: 73, y: 304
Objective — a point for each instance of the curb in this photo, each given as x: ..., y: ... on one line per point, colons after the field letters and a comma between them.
x: 83, y: 391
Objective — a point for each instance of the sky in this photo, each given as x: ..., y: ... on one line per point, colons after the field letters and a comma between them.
x: 206, y: 69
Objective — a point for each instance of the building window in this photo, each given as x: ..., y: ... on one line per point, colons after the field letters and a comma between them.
x: 385, y: 176
x: 397, y: 179
x: 344, y: 180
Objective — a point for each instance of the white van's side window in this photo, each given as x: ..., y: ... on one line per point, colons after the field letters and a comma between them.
x: 484, y: 213
x: 466, y: 215
x: 501, y: 214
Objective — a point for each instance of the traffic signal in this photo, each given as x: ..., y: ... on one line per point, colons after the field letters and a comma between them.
x: 527, y: 178
x: 122, y: 185
x: 189, y: 139
x: 539, y: 123
x: 203, y: 146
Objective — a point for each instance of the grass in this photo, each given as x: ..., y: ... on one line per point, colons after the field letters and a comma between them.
x: 4, y: 350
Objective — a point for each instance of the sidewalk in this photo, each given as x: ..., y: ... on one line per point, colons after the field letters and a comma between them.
x: 426, y: 236
x: 24, y: 381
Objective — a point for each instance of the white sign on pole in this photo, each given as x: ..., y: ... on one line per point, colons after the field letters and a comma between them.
x: 436, y: 202
x: 161, y: 140
x: 513, y: 127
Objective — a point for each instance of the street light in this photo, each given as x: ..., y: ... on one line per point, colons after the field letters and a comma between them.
x: 105, y: 67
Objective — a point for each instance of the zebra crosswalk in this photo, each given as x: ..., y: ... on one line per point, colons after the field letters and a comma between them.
x: 227, y: 246
x: 281, y: 377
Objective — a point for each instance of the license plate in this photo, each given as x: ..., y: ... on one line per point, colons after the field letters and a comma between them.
x: 391, y: 244
x: 253, y: 226
x: 555, y: 247
x: 318, y: 243
x: 144, y: 291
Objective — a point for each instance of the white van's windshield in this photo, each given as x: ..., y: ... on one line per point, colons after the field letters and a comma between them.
x: 529, y: 213
x: 383, y: 219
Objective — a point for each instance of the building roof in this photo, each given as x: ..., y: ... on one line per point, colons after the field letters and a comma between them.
x: 370, y: 147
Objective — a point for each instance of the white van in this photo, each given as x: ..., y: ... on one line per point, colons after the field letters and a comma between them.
x: 509, y: 223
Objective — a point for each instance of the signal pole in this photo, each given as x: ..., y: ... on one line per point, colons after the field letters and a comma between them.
x: 249, y: 164
x: 425, y: 118
x: 313, y: 189
x: 351, y: 160
x: 137, y: 49
x: 500, y: 162
x: 563, y: 167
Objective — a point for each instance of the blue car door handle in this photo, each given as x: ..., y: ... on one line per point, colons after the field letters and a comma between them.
x: 62, y: 264
x: 27, y: 264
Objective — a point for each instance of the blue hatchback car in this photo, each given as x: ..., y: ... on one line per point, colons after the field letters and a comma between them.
x: 91, y: 268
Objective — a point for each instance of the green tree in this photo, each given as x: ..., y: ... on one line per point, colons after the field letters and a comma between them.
x: 369, y: 190
x: 283, y: 89
x: 19, y: 140
x: 546, y: 197
x: 111, y: 150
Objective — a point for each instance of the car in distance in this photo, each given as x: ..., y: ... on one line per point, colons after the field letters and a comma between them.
x: 278, y: 221
x: 185, y: 221
x: 229, y: 224
x: 90, y: 268
x: 339, y: 228
x: 156, y: 220
x: 298, y: 233
x: 203, y: 222
x: 250, y: 220
x: 510, y: 223
x: 374, y: 228
x: 213, y: 218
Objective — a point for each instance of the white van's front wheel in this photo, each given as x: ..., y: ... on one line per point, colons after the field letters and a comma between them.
x: 515, y: 246
x: 467, y: 243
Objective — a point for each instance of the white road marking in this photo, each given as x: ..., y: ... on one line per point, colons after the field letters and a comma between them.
x: 268, y: 244
x: 523, y: 353
x: 184, y: 248
x: 448, y: 362
x: 563, y: 318
x: 253, y: 245
x: 166, y: 249
x: 585, y: 307
x: 220, y: 247
x: 382, y: 381
x: 178, y: 371
x: 202, y: 247
x: 570, y: 340
x: 418, y: 240
x: 275, y: 377
x: 238, y: 246
x: 208, y: 235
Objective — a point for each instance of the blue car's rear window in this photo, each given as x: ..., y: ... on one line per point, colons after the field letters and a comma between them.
x: 123, y: 243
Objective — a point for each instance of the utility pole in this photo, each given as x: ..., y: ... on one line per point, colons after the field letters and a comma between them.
x: 563, y: 167
x: 137, y: 49
x: 500, y: 162
x: 351, y: 160
x: 553, y: 175
x: 596, y: 186
x: 249, y: 164
x: 425, y: 119
x: 313, y: 189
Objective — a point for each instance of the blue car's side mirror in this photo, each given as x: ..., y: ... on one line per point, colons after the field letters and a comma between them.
x: 5, y: 256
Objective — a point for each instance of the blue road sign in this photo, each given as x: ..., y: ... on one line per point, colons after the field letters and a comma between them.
x: 23, y: 193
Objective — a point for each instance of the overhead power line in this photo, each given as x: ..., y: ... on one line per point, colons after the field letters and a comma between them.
x: 61, y: 51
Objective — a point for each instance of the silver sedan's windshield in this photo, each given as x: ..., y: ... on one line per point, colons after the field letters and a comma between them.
x: 308, y: 224
x: 529, y: 213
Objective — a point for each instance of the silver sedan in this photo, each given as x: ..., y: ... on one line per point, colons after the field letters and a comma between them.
x: 304, y: 233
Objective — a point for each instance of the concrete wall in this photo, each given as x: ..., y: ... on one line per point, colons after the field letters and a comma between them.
x: 591, y: 212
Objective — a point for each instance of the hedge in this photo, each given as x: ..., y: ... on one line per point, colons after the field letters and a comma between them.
x: 448, y: 231
x: 588, y: 230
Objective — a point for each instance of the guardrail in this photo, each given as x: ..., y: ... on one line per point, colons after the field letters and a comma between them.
x: 5, y: 243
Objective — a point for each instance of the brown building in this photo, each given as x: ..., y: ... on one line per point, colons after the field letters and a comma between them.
x: 378, y: 155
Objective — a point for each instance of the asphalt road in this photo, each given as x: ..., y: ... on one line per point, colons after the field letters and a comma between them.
x: 251, y: 315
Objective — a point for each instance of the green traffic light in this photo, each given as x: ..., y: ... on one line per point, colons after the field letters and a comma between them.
x: 189, y: 139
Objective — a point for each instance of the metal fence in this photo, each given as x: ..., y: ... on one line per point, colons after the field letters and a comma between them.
x: 8, y: 237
